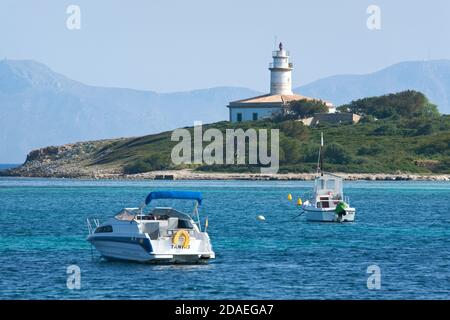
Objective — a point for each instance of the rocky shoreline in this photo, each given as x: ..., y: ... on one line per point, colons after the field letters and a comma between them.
x: 187, y: 174
x: 193, y: 175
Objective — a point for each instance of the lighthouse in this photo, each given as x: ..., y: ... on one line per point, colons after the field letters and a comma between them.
x: 277, y: 101
x: 281, y: 72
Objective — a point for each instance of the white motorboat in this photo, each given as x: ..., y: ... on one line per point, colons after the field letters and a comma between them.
x: 327, y: 203
x: 161, y: 235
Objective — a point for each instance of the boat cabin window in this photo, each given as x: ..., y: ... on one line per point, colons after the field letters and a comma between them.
x: 322, y: 184
x: 323, y: 203
x: 184, y: 224
x: 104, y: 229
x: 331, y: 184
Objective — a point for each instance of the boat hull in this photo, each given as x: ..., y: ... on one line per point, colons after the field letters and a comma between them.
x: 114, y: 250
x: 142, y: 250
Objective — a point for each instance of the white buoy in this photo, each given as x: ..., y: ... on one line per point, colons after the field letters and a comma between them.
x: 261, y: 218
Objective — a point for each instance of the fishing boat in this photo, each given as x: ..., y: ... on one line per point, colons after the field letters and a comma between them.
x: 327, y: 203
x: 162, y: 234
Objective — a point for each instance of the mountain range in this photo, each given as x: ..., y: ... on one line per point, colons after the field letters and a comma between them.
x: 429, y: 77
x: 39, y: 107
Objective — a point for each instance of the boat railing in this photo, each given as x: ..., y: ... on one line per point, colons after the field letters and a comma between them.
x: 92, y: 224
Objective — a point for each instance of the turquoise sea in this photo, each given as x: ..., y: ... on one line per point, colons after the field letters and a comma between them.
x: 402, y: 227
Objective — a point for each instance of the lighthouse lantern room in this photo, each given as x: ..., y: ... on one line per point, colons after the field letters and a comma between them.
x: 280, y: 72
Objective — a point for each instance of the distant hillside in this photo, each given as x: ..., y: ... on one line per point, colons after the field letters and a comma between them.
x: 429, y: 77
x: 5, y: 166
x: 39, y: 107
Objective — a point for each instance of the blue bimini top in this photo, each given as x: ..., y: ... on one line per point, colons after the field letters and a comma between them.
x: 189, y: 195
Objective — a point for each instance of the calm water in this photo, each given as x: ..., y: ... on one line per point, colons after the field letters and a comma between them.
x: 403, y: 227
x: 4, y: 166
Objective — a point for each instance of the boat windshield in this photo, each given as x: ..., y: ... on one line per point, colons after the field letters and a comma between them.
x: 329, y: 185
x: 127, y: 214
x: 162, y: 213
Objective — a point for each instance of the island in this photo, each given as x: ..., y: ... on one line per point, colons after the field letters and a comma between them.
x: 398, y: 136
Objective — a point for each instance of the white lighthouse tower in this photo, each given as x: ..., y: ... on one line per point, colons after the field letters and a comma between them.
x: 280, y: 72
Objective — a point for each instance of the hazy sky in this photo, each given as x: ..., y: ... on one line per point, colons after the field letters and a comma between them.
x: 188, y: 44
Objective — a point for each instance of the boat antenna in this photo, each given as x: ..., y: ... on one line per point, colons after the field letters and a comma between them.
x: 320, y: 159
x: 197, y: 216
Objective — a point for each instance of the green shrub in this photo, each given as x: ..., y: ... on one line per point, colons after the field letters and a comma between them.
x: 444, y: 166
x: 369, y: 150
x: 434, y: 147
x: 138, y: 166
x: 336, y: 153
x: 424, y: 129
x: 290, y: 151
x: 389, y: 129
x: 153, y: 163
x: 156, y: 161
x: 300, y: 109
x: 294, y: 129
x: 404, y: 104
x: 310, y: 152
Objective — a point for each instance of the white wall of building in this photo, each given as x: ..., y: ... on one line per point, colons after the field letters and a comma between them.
x: 331, y: 108
x: 280, y: 82
x: 247, y: 113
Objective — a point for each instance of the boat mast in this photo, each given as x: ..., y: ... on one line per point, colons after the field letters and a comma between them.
x: 320, y: 159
